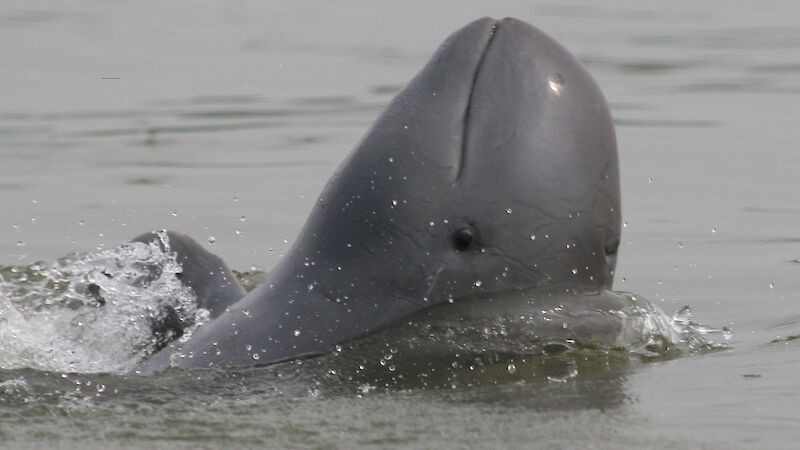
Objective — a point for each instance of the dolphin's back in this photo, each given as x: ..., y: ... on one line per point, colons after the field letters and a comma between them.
x: 209, y: 277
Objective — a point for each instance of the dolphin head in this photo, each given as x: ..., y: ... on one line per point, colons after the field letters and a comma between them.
x: 494, y: 169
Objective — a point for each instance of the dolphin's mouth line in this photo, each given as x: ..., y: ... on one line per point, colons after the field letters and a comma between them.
x: 465, y: 132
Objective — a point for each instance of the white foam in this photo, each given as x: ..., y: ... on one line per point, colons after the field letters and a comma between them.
x: 51, y: 320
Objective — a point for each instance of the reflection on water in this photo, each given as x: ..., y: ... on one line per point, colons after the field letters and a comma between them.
x: 665, y: 123
x: 194, y: 115
x: 771, y: 38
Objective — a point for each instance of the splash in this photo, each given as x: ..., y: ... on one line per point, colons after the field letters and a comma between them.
x: 648, y: 332
x: 534, y: 335
x: 94, y: 312
x: 540, y: 320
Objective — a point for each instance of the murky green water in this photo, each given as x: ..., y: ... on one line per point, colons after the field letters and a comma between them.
x: 225, y: 120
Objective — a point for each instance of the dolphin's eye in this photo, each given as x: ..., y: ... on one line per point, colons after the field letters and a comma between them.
x: 463, y: 238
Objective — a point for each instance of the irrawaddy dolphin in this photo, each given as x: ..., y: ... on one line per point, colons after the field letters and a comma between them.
x: 494, y: 170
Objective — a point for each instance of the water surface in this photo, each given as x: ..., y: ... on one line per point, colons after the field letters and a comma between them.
x: 224, y: 121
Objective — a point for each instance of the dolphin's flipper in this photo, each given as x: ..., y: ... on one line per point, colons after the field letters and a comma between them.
x: 212, y: 281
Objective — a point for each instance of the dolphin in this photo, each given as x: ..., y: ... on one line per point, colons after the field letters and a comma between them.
x: 494, y: 170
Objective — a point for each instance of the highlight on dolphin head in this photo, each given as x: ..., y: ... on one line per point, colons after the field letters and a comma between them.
x: 495, y: 169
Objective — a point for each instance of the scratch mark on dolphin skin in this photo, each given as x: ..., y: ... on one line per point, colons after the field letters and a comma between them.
x: 432, y: 283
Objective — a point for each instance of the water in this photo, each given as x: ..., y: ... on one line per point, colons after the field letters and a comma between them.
x: 118, y: 118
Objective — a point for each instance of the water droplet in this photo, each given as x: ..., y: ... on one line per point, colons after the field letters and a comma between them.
x: 297, y: 332
x: 680, y: 244
x: 21, y: 243
x: 211, y: 240
x: 255, y: 356
x: 713, y: 231
x: 248, y: 347
x: 174, y: 213
x: 508, y: 211
x: 650, y: 180
x: 394, y: 202
x: 533, y: 237
x: 243, y: 219
x: 391, y: 159
x: 683, y: 316
x: 574, y: 271
x: 772, y: 285
x: 512, y: 368
x: 477, y: 283
x: 311, y: 287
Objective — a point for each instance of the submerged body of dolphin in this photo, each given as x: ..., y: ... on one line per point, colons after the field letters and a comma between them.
x: 494, y: 170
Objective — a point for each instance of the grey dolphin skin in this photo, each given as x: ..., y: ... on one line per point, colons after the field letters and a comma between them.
x: 494, y: 170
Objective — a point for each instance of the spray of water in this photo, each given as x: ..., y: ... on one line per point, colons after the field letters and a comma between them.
x: 94, y: 312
